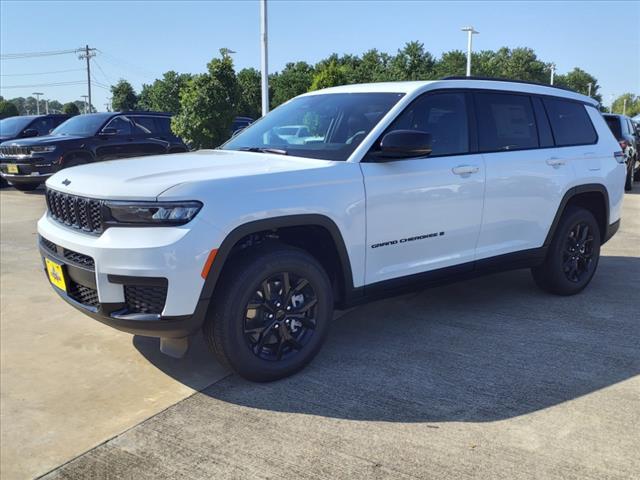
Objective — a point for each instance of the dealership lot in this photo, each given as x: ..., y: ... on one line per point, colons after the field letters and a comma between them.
x: 489, y: 378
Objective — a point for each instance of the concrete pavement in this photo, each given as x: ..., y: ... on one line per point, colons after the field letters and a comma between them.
x: 489, y: 378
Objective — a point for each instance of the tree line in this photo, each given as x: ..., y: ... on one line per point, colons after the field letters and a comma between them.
x: 205, y: 104
x: 28, y: 106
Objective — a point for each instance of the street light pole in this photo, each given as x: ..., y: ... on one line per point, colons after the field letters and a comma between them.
x: 37, y: 94
x: 46, y: 102
x: 553, y: 72
x: 470, y: 32
x: 264, y: 57
x: 86, y: 110
x: 589, y: 86
x: 624, y: 106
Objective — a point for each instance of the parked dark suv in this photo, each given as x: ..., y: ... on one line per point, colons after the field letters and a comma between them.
x: 624, y: 131
x: 29, y: 126
x: 26, y: 163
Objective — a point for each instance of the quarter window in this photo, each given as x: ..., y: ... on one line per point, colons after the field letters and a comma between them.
x: 505, y: 122
x: 443, y: 116
x: 570, y: 122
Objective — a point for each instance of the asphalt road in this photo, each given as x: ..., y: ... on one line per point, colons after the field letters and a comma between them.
x: 489, y: 378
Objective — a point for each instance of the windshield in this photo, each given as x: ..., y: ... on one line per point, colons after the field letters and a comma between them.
x: 84, y: 125
x: 327, y: 126
x: 10, y: 127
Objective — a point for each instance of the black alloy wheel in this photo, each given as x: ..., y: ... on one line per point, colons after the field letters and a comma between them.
x: 578, y: 252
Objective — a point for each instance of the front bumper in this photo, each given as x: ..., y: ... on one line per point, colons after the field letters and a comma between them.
x: 33, y: 170
x: 144, y: 281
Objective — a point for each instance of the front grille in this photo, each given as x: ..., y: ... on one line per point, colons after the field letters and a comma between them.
x: 14, y: 150
x: 76, y: 212
x: 145, y: 298
x: 69, y: 255
x: 84, y: 295
x: 78, y: 258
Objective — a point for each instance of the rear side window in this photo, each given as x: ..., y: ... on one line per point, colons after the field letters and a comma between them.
x: 42, y: 125
x: 164, y: 124
x: 444, y: 116
x: 505, y: 122
x: 146, y: 125
x: 570, y: 122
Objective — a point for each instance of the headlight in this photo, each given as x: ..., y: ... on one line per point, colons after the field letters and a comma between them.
x: 153, y: 213
x: 43, y: 148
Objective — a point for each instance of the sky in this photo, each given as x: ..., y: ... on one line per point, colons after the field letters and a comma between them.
x: 139, y: 41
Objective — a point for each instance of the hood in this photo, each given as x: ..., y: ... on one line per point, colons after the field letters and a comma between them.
x: 145, y: 178
x: 43, y: 140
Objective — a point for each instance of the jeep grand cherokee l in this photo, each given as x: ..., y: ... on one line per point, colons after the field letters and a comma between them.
x: 400, y: 185
x: 26, y: 163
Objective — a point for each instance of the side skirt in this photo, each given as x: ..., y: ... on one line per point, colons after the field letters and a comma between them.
x: 443, y: 276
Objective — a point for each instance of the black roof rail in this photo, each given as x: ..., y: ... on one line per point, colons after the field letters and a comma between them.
x: 143, y: 112
x: 497, y: 79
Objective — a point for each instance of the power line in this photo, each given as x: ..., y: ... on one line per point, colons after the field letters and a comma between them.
x: 40, y: 73
x: 12, y: 56
x: 57, y: 84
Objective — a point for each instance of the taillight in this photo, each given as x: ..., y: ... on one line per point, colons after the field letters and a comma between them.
x: 619, y: 156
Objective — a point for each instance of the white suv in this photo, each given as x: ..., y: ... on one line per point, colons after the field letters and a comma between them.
x: 397, y: 185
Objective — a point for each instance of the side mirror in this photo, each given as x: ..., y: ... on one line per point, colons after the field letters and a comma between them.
x: 108, y: 132
x: 404, y: 144
x: 30, y: 132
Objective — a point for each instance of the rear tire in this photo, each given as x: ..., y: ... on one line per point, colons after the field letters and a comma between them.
x: 270, y: 313
x: 573, y: 255
x: 25, y: 187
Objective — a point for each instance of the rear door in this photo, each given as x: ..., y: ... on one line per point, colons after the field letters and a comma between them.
x: 119, y: 144
x: 424, y: 214
x: 149, y: 139
x: 527, y: 175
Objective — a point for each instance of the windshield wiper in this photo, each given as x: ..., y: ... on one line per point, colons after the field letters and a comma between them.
x: 277, y: 151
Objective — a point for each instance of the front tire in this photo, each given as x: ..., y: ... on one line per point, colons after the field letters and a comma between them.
x: 573, y: 255
x: 270, y: 313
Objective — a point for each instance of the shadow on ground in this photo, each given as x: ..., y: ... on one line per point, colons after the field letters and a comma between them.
x: 483, y: 350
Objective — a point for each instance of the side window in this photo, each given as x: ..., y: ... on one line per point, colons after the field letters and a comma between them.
x: 444, y: 116
x: 42, y: 125
x: 146, y: 125
x: 542, y: 122
x: 164, y: 124
x: 505, y: 122
x: 570, y: 122
x: 121, y: 124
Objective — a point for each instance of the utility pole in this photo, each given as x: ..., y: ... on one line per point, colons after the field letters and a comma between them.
x: 470, y: 32
x: 87, y: 53
x: 86, y: 109
x: 37, y: 94
x: 46, y: 102
x: 553, y: 72
x: 589, y: 88
x: 264, y: 57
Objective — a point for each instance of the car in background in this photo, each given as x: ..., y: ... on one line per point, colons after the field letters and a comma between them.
x: 28, y: 126
x: 625, y: 132
x: 240, y: 123
x: 26, y: 163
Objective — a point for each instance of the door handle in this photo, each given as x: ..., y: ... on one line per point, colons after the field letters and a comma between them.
x: 465, y: 169
x: 555, y: 162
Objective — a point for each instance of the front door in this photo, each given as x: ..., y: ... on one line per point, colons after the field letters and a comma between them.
x: 424, y: 214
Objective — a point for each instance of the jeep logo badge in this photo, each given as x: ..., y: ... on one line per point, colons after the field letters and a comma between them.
x: 66, y: 182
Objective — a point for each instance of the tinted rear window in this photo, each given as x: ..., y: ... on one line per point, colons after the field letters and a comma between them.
x: 570, y: 122
x: 505, y: 122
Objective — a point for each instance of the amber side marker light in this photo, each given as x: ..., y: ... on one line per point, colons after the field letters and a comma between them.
x: 208, y: 263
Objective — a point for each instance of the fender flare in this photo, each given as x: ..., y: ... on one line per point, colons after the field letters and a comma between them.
x: 572, y: 192
x: 78, y: 151
x: 301, y: 220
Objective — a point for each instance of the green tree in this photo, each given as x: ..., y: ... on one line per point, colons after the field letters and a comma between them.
x: 632, y: 106
x: 329, y: 75
x: 70, y: 109
x: 209, y: 102
x: 123, y: 96
x: 55, y: 106
x: 453, y: 63
x: 294, y: 79
x: 250, y: 103
x: 412, y: 62
x: 163, y: 95
x: 8, y: 109
x: 579, y: 80
x: 373, y: 67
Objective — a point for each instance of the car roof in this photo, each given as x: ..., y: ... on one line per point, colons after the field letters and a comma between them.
x: 411, y: 87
